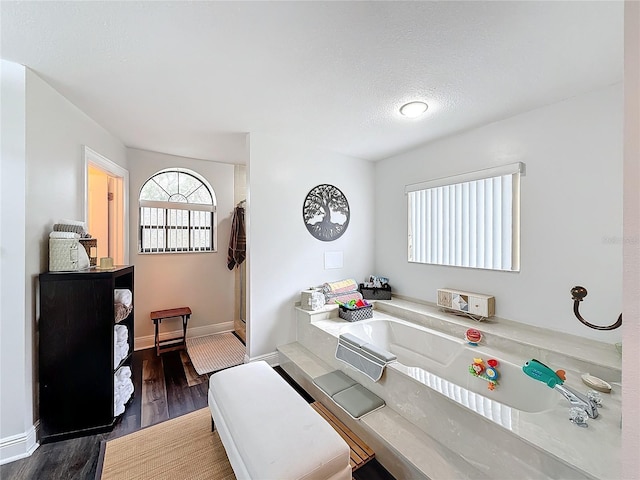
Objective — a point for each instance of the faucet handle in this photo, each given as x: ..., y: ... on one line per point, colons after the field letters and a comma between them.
x: 595, y: 397
x: 578, y: 416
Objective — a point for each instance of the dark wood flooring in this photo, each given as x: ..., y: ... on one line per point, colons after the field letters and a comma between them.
x: 166, y: 387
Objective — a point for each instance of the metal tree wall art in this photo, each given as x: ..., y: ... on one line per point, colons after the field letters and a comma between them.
x: 326, y: 212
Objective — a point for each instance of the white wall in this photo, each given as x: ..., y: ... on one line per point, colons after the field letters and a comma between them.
x: 200, y: 281
x: 631, y: 275
x: 571, y: 213
x: 56, y: 131
x: 17, y: 435
x: 283, y: 257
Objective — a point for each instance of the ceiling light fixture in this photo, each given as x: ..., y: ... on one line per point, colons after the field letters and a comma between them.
x: 413, y: 109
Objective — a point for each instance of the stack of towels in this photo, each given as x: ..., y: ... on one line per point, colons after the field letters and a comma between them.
x: 342, y: 291
x: 123, y: 303
x: 120, y: 344
x: 71, y: 226
x: 122, y: 389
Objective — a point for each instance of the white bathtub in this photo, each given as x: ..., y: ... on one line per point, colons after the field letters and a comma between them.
x: 442, y: 362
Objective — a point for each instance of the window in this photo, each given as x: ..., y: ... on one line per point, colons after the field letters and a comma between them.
x: 177, y: 213
x: 469, y: 220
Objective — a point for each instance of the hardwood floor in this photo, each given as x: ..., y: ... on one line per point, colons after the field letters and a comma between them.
x: 166, y: 387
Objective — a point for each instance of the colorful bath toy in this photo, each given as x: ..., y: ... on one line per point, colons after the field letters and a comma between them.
x: 473, y: 336
x: 539, y: 371
x: 487, y: 372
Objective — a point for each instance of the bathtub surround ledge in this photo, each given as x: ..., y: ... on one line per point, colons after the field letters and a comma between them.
x: 530, y: 441
x: 402, y: 448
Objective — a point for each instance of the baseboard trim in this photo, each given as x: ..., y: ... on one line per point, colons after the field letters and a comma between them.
x: 18, y: 446
x: 148, y: 341
x: 271, y: 358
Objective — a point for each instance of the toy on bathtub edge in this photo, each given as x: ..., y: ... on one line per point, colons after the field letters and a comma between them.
x: 473, y: 336
x: 487, y: 372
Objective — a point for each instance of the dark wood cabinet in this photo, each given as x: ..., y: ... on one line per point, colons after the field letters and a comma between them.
x: 76, y: 350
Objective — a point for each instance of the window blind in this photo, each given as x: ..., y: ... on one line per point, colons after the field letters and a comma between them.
x: 470, y: 220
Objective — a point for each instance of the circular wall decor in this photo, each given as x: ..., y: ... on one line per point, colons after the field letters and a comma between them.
x: 326, y: 212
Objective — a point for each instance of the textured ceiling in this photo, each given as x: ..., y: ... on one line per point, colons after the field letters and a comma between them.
x: 191, y: 78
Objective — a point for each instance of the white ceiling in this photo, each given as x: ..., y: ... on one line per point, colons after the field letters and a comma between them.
x: 192, y: 78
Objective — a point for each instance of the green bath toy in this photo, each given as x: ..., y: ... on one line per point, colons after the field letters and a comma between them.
x: 539, y: 371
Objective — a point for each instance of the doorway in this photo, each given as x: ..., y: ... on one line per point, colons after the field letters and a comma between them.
x: 106, y: 206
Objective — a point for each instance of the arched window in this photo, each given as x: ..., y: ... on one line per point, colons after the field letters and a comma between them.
x: 177, y: 213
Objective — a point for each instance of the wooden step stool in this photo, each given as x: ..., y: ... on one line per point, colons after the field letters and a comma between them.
x: 176, y: 343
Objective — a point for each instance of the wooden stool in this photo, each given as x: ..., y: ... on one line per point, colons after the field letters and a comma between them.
x: 176, y: 343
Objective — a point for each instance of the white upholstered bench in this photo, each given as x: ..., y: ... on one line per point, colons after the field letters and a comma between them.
x: 269, y: 431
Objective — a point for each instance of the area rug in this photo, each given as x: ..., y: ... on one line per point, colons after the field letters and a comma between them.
x: 215, y: 352
x: 180, y: 448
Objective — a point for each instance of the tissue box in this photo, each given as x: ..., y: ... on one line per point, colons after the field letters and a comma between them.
x: 370, y: 293
x: 63, y: 254
x: 355, y: 314
x: 312, y: 299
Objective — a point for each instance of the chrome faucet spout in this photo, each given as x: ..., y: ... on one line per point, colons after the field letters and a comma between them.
x: 578, y: 399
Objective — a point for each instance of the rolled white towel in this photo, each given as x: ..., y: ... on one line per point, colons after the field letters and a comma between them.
x: 120, y: 348
x: 126, y: 391
x: 119, y: 353
x: 64, y: 235
x: 118, y: 408
x: 123, y: 295
x: 122, y: 395
x: 123, y: 373
x: 117, y: 357
x: 121, y: 332
x: 77, y: 223
x: 122, y: 382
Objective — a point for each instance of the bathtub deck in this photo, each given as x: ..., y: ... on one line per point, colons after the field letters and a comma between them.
x: 360, y: 453
x: 402, y: 448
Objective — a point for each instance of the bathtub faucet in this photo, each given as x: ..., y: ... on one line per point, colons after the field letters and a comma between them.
x: 577, y: 399
x: 539, y: 371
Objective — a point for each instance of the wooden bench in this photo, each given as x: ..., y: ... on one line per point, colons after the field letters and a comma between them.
x: 176, y: 343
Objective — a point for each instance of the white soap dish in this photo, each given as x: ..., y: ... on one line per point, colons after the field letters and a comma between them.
x: 596, y: 383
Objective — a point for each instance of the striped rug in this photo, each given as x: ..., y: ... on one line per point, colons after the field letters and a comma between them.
x: 215, y: 352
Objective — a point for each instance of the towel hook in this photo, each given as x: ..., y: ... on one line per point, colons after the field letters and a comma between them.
x: 578, y: 293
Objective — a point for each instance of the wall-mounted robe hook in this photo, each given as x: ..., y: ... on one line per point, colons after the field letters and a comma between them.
x: 578, y: 293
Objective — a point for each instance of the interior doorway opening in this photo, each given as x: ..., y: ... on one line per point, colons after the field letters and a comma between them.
x: 106, y: 206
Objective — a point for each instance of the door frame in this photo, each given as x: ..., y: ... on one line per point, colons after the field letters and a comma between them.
x: 91, y: 157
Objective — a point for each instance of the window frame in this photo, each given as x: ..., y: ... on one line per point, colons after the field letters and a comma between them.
x: 167, y: 206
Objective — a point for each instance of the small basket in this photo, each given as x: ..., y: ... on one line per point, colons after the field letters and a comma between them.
x: 355, y: 314
x: 371, y: 293
x: 63, y: 254
x: 90, y: 244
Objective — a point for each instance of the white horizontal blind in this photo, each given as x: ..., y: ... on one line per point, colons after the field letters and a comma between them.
x: 473, y: 223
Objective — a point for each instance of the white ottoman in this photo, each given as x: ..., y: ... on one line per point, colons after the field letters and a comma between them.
x: 269, y: 431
